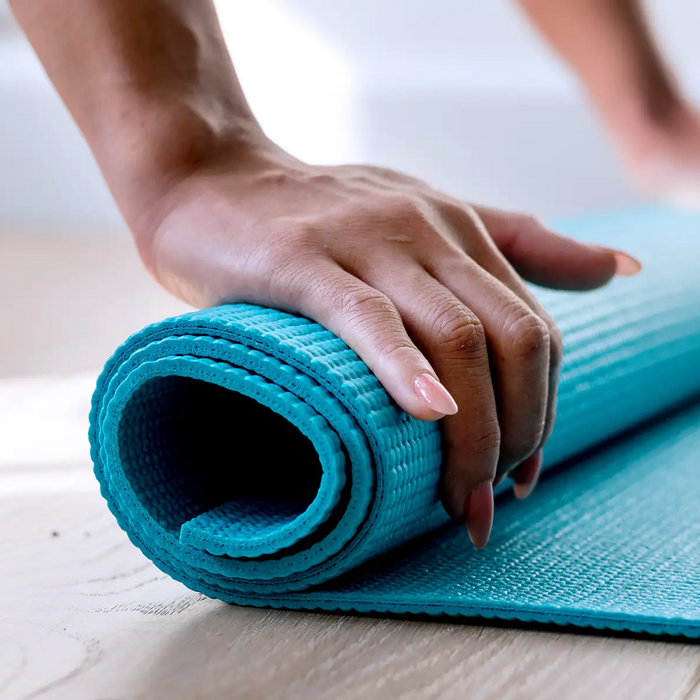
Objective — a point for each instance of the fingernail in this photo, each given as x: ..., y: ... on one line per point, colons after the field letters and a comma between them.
x: 625, y: 264
x: 435, y: 394
x: 526, y: 475
x: 478, y: 512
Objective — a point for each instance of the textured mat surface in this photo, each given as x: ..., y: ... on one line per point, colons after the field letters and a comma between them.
x: 251, y: 455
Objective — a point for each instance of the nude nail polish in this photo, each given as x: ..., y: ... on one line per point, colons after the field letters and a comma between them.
x: 434, y: 394
x: 526, y: 475
x: 626, y: 265
x: 478, y: 512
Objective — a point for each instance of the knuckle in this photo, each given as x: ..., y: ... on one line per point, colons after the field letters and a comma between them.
x: 489, y: 439
x: 361, y: 303
x: 323, y: 179
x: 456, y: 331
x: 473, y: 222
x: 396, y: 348
x: 405, y: 210
x: 373, y: 313
x: 527, y: 336
x: 473, y: 453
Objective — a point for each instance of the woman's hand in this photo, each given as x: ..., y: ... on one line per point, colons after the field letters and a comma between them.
x: 422, y: 286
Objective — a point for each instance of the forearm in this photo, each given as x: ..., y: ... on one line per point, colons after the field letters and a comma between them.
x: 149, y: 82
x: 611, y: 48
x: 408, y: 277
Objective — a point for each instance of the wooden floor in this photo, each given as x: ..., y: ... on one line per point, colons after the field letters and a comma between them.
x: 84, y: 615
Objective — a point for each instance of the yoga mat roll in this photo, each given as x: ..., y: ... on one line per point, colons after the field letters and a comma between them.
x: 250, y: 454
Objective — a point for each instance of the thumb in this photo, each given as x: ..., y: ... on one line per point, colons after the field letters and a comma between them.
x: 550, y: 259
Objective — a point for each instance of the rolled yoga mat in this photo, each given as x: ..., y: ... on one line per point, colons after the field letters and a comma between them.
x: 252, y: 455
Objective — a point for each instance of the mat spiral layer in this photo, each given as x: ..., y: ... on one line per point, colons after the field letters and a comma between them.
x: 253, y: 456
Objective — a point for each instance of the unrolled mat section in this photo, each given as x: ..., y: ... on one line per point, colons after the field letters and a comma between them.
x: 253, y: 456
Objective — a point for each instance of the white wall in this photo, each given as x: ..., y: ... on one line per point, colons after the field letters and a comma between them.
x: 459, y: 92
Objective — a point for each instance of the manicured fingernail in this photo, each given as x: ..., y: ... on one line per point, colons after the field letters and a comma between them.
x: 526, y: 475
x: 435, y: 394
x: 478, y: 512
x: 625, y: 264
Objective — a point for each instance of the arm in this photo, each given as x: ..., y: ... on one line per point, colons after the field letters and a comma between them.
x: 610, y: 46
x: 151, y: 86
x: 407, y: 276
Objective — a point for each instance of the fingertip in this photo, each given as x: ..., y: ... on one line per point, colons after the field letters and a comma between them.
x: 434, y: 395
x: 423, y: 398
x: 626, y: 264
x: 587, y: 267
x: 478, y: 513
x: 556, y: 261
x: 616, y: 263
x: 466, y: 486
x: 423, y: 413
x: 525, y: 476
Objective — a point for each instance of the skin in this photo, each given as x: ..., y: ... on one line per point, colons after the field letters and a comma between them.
x: 611, y: 48
x: 419, y: 283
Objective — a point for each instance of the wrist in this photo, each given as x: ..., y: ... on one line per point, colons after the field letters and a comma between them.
x: 173, y: 171
x: 145, y: 145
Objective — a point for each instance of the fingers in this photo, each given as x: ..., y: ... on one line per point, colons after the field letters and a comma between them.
x: 525, y: 241
x: 371, y: 325
x: 519, y: 344
x: 551, y: 260
x: 422, y: 327
x: 498, y: 266
x: 442, y: 328
x: 526, y: 474
x: 472, y: 235
x: 491, y: 259
x: 454, y: 340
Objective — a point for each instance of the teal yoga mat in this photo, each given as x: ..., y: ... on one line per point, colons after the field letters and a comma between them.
x: 252, y: 455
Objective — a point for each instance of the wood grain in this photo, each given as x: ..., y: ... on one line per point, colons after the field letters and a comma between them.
x: 84, y: 615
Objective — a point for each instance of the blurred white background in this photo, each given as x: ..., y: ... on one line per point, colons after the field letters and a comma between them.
x: 459, y: 92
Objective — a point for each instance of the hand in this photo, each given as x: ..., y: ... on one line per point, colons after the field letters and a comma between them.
x: 422, y: 286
